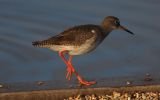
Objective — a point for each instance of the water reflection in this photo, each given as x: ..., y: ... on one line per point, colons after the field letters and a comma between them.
x: 120, y: 55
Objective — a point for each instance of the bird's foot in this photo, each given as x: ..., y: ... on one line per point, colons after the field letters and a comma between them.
x: 83, y: 82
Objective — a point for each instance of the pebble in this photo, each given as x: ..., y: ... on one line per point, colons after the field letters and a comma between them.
x: 148, y: 77
x: 128, y: 83
x: 1, y: 85
x: 40, y: 83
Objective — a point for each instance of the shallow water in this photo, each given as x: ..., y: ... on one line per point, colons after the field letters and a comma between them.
x: 120, y: 54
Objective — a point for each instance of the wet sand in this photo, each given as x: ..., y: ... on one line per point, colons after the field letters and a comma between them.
x: 126, y: 87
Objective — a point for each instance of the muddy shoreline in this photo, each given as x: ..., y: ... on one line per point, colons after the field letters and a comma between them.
x: 66, y: 93
x: 59, y: 90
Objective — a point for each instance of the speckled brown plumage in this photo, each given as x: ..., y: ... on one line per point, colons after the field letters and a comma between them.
x: 73, y: 36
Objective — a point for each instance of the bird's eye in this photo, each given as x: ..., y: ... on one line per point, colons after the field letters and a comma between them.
x: 117, y: 22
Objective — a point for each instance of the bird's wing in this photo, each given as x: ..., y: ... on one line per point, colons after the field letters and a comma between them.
x: 73, y: 36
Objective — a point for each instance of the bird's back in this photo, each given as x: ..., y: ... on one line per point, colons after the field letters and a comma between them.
x: 73, y: 36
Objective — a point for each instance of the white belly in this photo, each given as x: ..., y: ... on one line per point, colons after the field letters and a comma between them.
x: 85, y: 48
x: 88, y: 46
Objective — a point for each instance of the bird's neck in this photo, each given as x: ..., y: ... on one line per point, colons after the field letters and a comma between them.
x: 104, y: 32
x: 106, y: 28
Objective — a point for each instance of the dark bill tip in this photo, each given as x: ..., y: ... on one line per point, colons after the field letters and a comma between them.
x: 125, y: 29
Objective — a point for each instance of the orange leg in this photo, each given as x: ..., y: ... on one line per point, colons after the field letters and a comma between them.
x: 70, y: 70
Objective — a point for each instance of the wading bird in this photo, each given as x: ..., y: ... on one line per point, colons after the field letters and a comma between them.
x: 80, y: 40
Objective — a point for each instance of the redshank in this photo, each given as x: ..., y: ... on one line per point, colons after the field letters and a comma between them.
x: 80, y: 40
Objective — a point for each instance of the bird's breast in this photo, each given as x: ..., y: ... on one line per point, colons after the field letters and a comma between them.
x: 87, y: 46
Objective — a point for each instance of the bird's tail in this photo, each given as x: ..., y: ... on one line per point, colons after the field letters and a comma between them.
x: 39, y: 44
x: 36, y: 43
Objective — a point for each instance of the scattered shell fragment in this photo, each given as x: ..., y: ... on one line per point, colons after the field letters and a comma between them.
x: 143, y: 96
x: 116, y: 94
x: 119, y: 96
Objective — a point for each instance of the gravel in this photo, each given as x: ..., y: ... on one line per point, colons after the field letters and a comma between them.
x: 118, y: 96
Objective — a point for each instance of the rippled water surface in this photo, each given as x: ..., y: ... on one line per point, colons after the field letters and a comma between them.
x: 120, y: 54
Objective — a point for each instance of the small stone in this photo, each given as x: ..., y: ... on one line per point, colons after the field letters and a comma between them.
x: 148, y: 77
x: 40, y: 83
x: 93, y: 31
x: 1, y: 85
x: 128, y: 83
x: 71, y: 86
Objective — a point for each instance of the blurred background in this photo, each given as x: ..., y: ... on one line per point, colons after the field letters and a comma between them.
x: 120, y: 55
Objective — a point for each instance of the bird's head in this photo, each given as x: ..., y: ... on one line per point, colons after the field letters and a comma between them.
x: 110, y: 23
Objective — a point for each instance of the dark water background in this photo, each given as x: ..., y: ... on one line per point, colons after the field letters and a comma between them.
x: 120, y: 54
